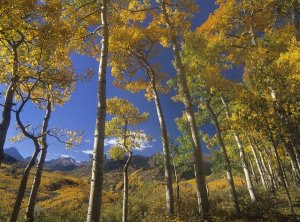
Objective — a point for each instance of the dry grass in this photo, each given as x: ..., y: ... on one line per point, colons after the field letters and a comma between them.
x: 63, y: 197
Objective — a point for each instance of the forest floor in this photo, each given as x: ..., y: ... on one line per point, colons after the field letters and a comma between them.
x: 64, y: 198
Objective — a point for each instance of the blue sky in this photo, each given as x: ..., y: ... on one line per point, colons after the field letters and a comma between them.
x: 80, y: 112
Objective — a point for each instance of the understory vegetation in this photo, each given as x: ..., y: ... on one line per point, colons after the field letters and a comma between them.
x: 64, y: 198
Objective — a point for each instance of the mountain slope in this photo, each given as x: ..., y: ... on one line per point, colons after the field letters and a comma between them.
x: 14, y: 153
x: 61, y: 164
x: 9, y: 159
x: 138, y: 162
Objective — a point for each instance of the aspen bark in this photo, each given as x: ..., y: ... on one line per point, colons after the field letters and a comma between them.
x: 94, y: 208
x: 297, y: 153
x: 253, y: 172
x: 166, y: 153
x: 273, y: 174
x: 270, y: 177
x: 24, y: 180
x: 243, y: 158
x: 163, y: 128
x: 29, y: 217
x: 279, y: 112
x: 164, y: 135
x: 258, y: 164
x: 125, y: 176
x: 296, y: 167
x: 229, y: 177
x: 292, y: 131
x: 176, y: 175
x: 280, y: 167
x: 293, y: 157
x: 125, y: 189
x: 246, y: 170
x: 8, y: 101
x: 284, y: 182
x: 202, y: 196
x: 271, y: 170
x: 6, y: 117
x: 177, y: 189
x: 207, y: 188
x: 23, y: 183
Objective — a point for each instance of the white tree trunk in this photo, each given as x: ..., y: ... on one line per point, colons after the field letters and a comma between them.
x: 8, y: 101
x: 283, y: 179
x: 125, y: 189
x: 166, y: 154
x: 6, y: 117
x: 268, y: 173
x: 22, y: 186
x: 259, y: 166
x: 243, y: 158
x: 273, y: 175
x: 229, y: 177
x: 253, y: 172
x: 29, y: 217
x: 245, y: 168
x: 95, y: 203
x: 202, y: 196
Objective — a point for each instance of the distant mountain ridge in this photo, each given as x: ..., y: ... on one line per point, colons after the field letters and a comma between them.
x: 12, y: 155
x: 70, y: 165
x: 61, y: 164
x: 138, y: 162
